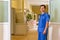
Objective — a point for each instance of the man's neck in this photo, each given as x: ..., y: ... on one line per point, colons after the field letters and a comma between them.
x: 43, y: 12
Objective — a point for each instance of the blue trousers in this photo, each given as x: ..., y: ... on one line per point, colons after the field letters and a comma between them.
x: 42, y: 36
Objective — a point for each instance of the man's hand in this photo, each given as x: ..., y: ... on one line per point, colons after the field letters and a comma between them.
x: 47, y: 25
x: 44, y: 32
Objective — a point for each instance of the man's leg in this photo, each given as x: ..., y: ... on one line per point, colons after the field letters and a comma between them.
x: 46, y: 34
x: 43, y: 36
x: 39, y: 36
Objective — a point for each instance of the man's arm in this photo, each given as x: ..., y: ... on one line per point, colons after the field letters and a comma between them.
x: 46, y: 27
x: 47, y: 23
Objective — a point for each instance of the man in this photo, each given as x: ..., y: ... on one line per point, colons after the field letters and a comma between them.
x: 43, y: 23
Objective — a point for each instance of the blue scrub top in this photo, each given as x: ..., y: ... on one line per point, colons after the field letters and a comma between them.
x: 43, y: 18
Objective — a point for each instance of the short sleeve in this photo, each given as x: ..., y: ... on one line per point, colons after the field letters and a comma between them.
x: 47, y: 18
x: 39, y: 17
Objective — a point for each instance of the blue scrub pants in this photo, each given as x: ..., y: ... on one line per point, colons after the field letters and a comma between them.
x: 42, y: 36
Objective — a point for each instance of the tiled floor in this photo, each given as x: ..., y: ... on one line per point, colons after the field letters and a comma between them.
x: 32, y: 35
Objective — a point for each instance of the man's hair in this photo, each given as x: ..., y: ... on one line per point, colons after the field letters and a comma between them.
x: 43, y: 5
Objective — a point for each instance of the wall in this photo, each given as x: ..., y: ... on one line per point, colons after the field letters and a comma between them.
x: 54, y: 31
x: 1, y: 31
x: 54, y: 11
x: 4, y: 18
x: 27, y: 5
x: 17, y: 4
x: 19, y: 17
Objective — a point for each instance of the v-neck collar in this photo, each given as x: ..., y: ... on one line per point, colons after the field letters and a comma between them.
x: 43, y: 13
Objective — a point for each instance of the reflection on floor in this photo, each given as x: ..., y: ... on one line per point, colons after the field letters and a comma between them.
x: 31, y: 35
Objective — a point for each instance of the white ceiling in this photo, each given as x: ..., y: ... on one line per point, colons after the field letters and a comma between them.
x: 38, y: 2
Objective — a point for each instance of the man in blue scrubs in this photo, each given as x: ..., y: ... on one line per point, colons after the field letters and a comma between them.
x: 43, y: 23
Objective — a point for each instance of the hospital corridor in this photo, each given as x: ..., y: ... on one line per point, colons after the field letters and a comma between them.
x: 29, y: 19
x: 24, y: 19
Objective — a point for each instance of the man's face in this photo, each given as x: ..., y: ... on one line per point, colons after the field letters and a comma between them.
x: 42, y: 9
